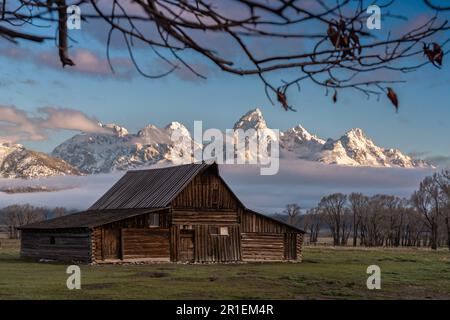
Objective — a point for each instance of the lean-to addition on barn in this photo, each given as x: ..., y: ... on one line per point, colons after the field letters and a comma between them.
x: 183, y: 213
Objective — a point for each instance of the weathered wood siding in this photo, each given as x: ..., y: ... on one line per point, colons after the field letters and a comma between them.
x: 201, y: 244
x: 205, y: 205
x: 262, y: 246
x: 290, y: 246
x: 187, y: 247
x: 206, y: 191
x: 191, y: 217
x: 107, y: 242
x: 251, y: 222
x: 266, y: 239
x: 300, y: 237
x: 211, y: 247
x: 97, y: 250
x: 69, y: 245
x: 153, y: 243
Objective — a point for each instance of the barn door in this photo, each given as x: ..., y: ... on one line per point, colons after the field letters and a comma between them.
x: 290, y: 246
x: 186, y: 245
x: 111, y: 244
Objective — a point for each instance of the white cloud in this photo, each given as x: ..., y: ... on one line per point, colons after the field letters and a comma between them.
x: 18, y: 125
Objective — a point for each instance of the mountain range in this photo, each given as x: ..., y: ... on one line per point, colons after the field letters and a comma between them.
x: 91, y: 153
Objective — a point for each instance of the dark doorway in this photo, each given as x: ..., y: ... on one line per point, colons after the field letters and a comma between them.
x: 187, y: 245
x: 290, y: 246
x: 111, y: 243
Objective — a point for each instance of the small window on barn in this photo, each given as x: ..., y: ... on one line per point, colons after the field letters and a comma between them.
x: 218, y: 231
x: 223, y: 231
x: 52, y: 240
x: 153, y: 220
x: 214, y: 231
x: 187, y: 227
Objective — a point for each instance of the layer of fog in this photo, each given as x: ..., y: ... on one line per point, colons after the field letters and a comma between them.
x: 302, y: 182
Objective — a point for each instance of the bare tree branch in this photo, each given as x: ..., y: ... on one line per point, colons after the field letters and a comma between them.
x: 335, y: 54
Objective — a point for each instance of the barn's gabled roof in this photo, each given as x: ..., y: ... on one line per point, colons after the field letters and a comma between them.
x: 153, y: 188
x: 88, y: 219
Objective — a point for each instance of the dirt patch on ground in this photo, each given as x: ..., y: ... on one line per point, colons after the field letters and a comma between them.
x: 152, y: 274
x: 93, y: 286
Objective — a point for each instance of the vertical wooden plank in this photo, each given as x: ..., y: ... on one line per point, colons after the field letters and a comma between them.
x: 122, y: 247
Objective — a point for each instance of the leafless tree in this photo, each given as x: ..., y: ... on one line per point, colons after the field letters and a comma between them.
x: 292, y: 211
x: 311, y: 224
x: 427, y: 201
x: 327, y: 44
x: 59, y: 212
x: 16, y: 215
x: 333, y: 209
x: 443, y: 180
x: 358, y: 206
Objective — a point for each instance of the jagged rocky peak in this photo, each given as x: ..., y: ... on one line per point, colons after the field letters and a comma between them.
x: 356, y: 134
x: 116, y: 129
x: 152, y: 133
x: 251, y: 120
x: 177, y: 126
x: 301, y: 134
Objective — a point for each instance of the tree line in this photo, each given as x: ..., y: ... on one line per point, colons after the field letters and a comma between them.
x: 381, y: 220
x: 16, y: 215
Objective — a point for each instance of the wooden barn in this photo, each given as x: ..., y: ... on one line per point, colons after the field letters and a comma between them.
x: 183, y: 213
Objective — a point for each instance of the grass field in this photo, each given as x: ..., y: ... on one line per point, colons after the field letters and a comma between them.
x: 326, y: 273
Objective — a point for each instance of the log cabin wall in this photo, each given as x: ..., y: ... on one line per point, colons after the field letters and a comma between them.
x: 115, y: 241
x: 257, y: 246
x: 300, y: 237
x: 146, y: 243
x: 62, y: 245
x: 266, y: 239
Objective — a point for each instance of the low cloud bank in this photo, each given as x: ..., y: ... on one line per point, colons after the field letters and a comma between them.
x: 303, y: 182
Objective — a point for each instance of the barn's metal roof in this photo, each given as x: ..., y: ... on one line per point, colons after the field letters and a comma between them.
x: 153, y: 188
x: 88, y: 219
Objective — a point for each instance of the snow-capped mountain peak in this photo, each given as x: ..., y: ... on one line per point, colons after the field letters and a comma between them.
x: 179, y: 127
x: 251, y: 120
x: 300, y: 133
x: 356, y: 136
x: 116, y: 129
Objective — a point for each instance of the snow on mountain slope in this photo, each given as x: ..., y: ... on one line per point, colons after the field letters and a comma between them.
x: 120, y: 150
x: 356, y: 149
x: 299, y: 141
x: 260, y: 134
x: 101, y: 153
x: 352, y: 149
x: 18, y: 162
x: 251, y: 120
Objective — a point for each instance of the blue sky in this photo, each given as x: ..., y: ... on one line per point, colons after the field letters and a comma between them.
x: 421, y: 127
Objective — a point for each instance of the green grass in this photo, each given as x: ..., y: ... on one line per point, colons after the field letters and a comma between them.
x: 326, y: 273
